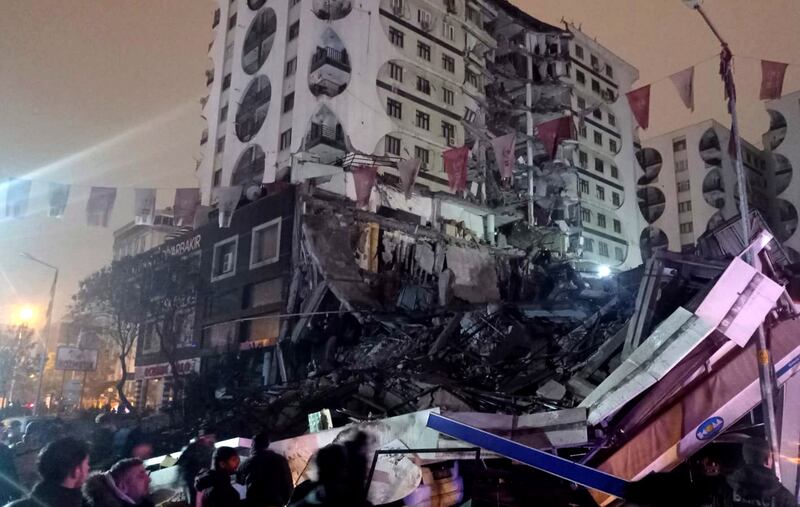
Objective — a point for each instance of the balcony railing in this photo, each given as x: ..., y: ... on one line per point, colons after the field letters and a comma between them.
x: 330, y: 56
x: 327, y: 87
x: 324, y: 134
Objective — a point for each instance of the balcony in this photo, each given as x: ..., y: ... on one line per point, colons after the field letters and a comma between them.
x: 651, y: 203
x: 249, y: 169
x: 330, y: 56
x: 330, y: 68
x: 331, y: 9
x: 326, y: 87
x: 320, y: 134
x: 777, y: 130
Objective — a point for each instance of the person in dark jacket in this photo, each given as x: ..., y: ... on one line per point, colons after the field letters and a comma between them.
x: 266, y: 475
x: 195, y: 457
x: 9, y: 482
x: 215, y: 486
x: 126, y: 484
x: 754, y: 484
x: 64, y: 467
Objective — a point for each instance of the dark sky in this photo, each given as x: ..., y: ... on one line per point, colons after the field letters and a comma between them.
x: 94, y: 92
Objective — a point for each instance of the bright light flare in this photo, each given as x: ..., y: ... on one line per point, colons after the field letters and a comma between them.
x: 26, y: 314
x: 603, y: 271
x: 790, y: 459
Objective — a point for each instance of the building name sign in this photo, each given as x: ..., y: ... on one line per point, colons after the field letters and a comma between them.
x: 75, y: 359
x: 186, y: 246
x: 160, y: 370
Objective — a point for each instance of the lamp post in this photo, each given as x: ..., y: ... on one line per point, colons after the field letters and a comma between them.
x: 43, y: 360
x: 766, y: 369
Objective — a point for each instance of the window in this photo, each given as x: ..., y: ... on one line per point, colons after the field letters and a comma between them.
x: 286, y: 139
x: 448, y: 63
x: 291, y: 67
x: 580, y: 77
x: 581, y: 104
x: 599, y: 165
x: 597, y: 113
x: 396, y: 37
x: 266, y: 246
x: 223, y: 113
x: 603, y: 247
x: 586, y: 216
x: 686, y: 227
x: 600, y: 192
x: 448, y: 132
x: 150, y: 339
x: 595, y: 62
x: 615, y: 199
x: 598, y: 138
x: 601, y: 220
x: 684, y: 206
x: 392, y: 145
x: 583, y: 159
x: 678, y: 145
x: 588, y: 245
x: 397, y: 6
x: 596, y: 86
x: 612, y: 145
x: 448, y: 31
x: 582, y: 130
x: 396, y: 72
x: 681, y: 165
x: 474, y: 16
x: 617, y: 226
x: 584, y: 186
x: 217, y: 178
x: 612, y: 120
x: 424, y: 51
x: 221, y: 144
x: 232, y: 22
x: 423, y: 85
x: 609, y: 71
x: 224, y: 262
x: 226, y: 82
x: 423, y: 156
x: 423, y: 120
x: 217, y: 15
x: 294, y: 2
x: 294, y: 30
x: 424, y: 18
x: 469, y: 115
x: 579, y: 51
x: 288, y: 103
x: 471, y: 78
x: 263, y: 294
x: 619, y: 254
x: 614, y: 171
x: 448, y: 96
x: 394, y: 108
x: 683, y: 186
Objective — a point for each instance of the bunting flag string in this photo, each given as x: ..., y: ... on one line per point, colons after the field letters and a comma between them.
x: 408, y: 170
x: 503, y: 147
x: 684, y: 83
x: 455, y: 165
x: 364, y: 179
x: 772, y: 74
x: 552, y: 132
x: 639, y: 100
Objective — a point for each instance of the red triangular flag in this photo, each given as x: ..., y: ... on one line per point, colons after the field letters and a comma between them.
x: 639, y: 100
x: 552, y: 132
x: 455, y: 164
x: 503, y: 147
x: 684, y: 82
x: 364, y: 178
x: 408, y: 169
x: 772, y: 74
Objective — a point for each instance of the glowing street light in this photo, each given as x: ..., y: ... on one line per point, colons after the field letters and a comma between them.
x: 26, y: 314
x: 603, y: 271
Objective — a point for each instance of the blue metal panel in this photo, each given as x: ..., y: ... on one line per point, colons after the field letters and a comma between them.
x: 555, y: 465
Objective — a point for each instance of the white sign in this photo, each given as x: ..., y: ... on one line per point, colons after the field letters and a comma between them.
x: 73, y: 358
x: 160, y: 370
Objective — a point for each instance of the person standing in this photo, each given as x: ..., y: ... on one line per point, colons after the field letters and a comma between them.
x: 214, y: 486
x: 266, y: 475
x: 64, y: 467
x: 9, y: 482
x: 126, y: 484
x: 195, y: 457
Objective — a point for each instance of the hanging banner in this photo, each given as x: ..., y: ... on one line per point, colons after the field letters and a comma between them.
x: 186, y: 202
x: 503, y: 147
x: 772, y: 74
x: 364, y: 178
x: 201, y: 216
x: 100, y: 205
x: 144, y: 207
x: 639, y: 101
x: 726, y: 73
x: 227, y: 200
x: 684, y: 83
x: 17, y: 195
x: 57, y: 197
x: 76, y: 359
x: 552, y: 132
x: 455, y: 164
x: 408, y: 170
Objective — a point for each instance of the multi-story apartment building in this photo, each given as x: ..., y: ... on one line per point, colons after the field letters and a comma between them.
x: 134, y: 238
x: 687, y: 184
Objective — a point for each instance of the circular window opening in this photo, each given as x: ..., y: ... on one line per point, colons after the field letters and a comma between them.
x: 258, y: 41
x: 253, y: 109
x: 331, y: 9
x: 249, y: 169
x: 256, y: 4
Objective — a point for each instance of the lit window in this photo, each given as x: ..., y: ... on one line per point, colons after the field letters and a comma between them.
x: 266, y: 245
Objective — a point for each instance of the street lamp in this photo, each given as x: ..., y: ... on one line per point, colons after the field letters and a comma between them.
x: 48, y: 319
x: 766, y: 369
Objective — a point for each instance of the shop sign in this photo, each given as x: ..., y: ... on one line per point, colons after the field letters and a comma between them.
x: 160, y: 370
x: 75, y: 359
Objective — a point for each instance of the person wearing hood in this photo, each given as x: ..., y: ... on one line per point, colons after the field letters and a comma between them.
x: 196, y: 457
x: 266, y: 475
x: 754, y: 483
x: 64, y: 467
x: 126, y: 484
x: 214, y: 487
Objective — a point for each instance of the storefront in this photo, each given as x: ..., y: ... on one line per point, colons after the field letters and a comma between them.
x: 154, y: 382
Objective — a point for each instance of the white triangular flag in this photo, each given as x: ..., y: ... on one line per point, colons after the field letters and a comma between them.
x: 227, y: 200
x: 684, y: 82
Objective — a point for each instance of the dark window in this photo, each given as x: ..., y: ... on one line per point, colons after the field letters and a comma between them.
x: 679, y: 145
x: 423, y: 85
x: 617, y: 226
x: 600, y: 192
x: 474, y: 16
x: 232, y: 21
x: 598, y: 138
x: 221, y: 144
x: 588, y: 244
x: 615, y: 200
x: 597, y: 113
x: 582, y: 130
x: 424, y: 51
x: 584, y: 186
x: 286, y: 139
x: 392, y: 145
x: 294, y: 2
x: 288, y: 103
x: 448, y: 132
x: 684, y: 206
x: 224, y: 262
x: 217, y: 178
x: 603, y: 247
x: 266, y: 243
x: 599, y: 165
x: 596, y: 86
x: 217, y: 15
x: 448, y: 63
x: 263, y: 294
x: 609, y: 71
x: 423, y: 156
x: 291, y: 67
x: 226, y: 82
x: 683, y: 186
x: 581, y: 103
x: 595, y: 62
x: 396, y: 36
x: 612, y: 120
x: 448, y: 96
x: 579, y: 51
x: 471, y: 78
x: 583, y: 159
x: 294, y: 30
x: 614, y: 171
x: 223, y: 113
x: 612, y: 145
x: 586, y: 215
x: 395, y: 72
x: 580, y: 77
x: 686, y: 227
x: 394, y: 108
x: 423, y: 120
x: 601, y: 220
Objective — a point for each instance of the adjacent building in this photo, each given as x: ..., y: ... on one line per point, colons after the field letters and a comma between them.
x: 134, y: 238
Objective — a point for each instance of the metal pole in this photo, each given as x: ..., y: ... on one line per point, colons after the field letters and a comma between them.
x: 14, y: 365
x: 43, y: 362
